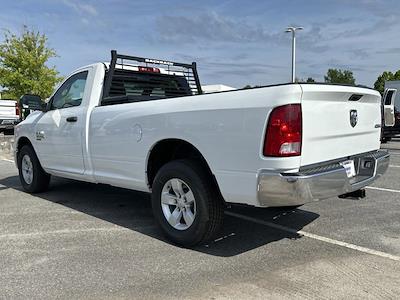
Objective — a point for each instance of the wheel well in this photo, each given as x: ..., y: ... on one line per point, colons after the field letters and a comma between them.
x: 172, y: 149
x: 23, y: 141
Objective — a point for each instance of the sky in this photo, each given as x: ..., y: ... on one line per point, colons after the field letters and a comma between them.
x: 234, y: 42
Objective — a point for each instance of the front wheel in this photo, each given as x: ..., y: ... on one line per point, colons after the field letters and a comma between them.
x: 186, y: 203
x: 31, y: 174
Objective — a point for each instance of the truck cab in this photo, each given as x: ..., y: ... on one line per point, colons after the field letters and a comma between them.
x: 391, y: 110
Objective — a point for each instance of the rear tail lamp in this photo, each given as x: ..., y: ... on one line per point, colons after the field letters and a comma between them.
x: 284, y: 132
x: 17, y: 112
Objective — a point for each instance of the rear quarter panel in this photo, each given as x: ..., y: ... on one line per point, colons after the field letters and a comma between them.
x: 227, y: 128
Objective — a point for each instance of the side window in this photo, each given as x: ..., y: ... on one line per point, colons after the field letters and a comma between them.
x: 389, y: 96
x: 71, y: 92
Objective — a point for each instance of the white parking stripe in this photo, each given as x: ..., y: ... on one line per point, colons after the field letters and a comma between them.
x: 61, y: 231
x: 382, y: 189
x: 316, y: 237
x: 9, y: 160
x: 394, y: 166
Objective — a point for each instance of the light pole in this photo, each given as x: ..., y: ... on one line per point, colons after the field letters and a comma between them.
x: 293, y: 30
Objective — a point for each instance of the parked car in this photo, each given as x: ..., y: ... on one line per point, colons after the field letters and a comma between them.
x: 391, y: 110
x: 9, y: 116
x: 146, y: 127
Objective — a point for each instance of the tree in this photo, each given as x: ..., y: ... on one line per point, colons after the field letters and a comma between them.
x: 379, y: 84
x: 340, y: 76
x: 310, y: 80
x: 23, y: 66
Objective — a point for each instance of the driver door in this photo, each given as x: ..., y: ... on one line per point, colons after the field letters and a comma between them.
x: 59, y: 133
x: 388, y: 108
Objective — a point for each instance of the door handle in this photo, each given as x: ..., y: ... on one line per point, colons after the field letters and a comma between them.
x: 72, y: 119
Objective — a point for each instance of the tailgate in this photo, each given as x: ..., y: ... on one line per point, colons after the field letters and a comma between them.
x: 339, y: 121
x: 7, y: 110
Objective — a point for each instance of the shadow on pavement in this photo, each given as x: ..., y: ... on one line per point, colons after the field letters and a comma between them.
x: 132, y: 210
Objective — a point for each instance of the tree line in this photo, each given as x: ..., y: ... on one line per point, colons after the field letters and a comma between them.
x: 23, y: 65
x: 339, y: 76
x: 24, y: 68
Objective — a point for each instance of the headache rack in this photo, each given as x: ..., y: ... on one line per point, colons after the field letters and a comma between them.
x: 120, y: 71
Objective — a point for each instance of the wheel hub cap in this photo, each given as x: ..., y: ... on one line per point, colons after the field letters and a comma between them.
x: 178, y: 204
x: 27, y: 169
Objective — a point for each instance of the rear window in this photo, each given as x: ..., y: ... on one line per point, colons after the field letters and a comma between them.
x: 388, y: 98
x: 148, y: 86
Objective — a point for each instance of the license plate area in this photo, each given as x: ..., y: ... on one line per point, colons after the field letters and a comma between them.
x: 349, y: 166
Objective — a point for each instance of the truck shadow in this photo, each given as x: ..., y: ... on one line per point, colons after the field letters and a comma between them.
x: 132, y: 210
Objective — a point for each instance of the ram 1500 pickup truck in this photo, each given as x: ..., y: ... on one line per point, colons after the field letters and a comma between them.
x: 144, y: 124
x: 9, y: 116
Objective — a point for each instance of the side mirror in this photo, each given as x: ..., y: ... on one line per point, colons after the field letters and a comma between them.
x: 32, y: 102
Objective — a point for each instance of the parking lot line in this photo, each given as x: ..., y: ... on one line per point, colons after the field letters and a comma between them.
x: 394, y: 166
x: 316, y: 237
x: 62, y: 231
x: 382, y: 189
x: 9, y: 160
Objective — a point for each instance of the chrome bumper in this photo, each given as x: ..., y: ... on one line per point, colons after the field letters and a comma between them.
x: 279, y: 189
x: 8, y: 123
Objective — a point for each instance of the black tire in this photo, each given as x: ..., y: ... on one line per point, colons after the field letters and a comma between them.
x: 41, y: 179
x: 209, y: 205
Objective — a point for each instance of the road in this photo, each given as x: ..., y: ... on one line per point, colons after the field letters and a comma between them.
x: 80, y: 240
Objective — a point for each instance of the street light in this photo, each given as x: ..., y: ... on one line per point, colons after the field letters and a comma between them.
x: 293, y: 31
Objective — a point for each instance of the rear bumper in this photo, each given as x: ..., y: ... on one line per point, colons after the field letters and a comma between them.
x: 276, y: 189
x: 8, y: 123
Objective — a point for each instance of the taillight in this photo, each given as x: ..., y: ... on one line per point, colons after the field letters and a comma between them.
x: 16, y: 109
x: 284, y: 132
x: 149, y: 70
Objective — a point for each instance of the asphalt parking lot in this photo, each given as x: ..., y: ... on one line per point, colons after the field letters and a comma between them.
x: 80, y: 240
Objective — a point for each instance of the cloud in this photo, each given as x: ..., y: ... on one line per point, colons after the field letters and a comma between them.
x: 208, y: 27
x: 394, y: 50
x: 214, y: 29
x: 359, y: 53
x: 81, y: 8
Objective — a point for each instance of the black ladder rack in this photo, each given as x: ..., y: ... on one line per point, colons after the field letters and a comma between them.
x: 189, y: 70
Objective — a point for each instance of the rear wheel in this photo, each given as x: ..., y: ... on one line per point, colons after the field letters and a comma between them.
x: 186, y: 204
x: 31, y: 174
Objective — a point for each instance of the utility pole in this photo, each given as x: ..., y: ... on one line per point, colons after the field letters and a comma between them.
x: 293, y: 30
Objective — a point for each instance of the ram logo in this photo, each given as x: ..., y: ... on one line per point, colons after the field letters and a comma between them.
x: 353, y: 117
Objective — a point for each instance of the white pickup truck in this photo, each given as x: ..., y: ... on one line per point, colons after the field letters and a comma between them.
x: 9, y: 115
x: 131, y: 124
